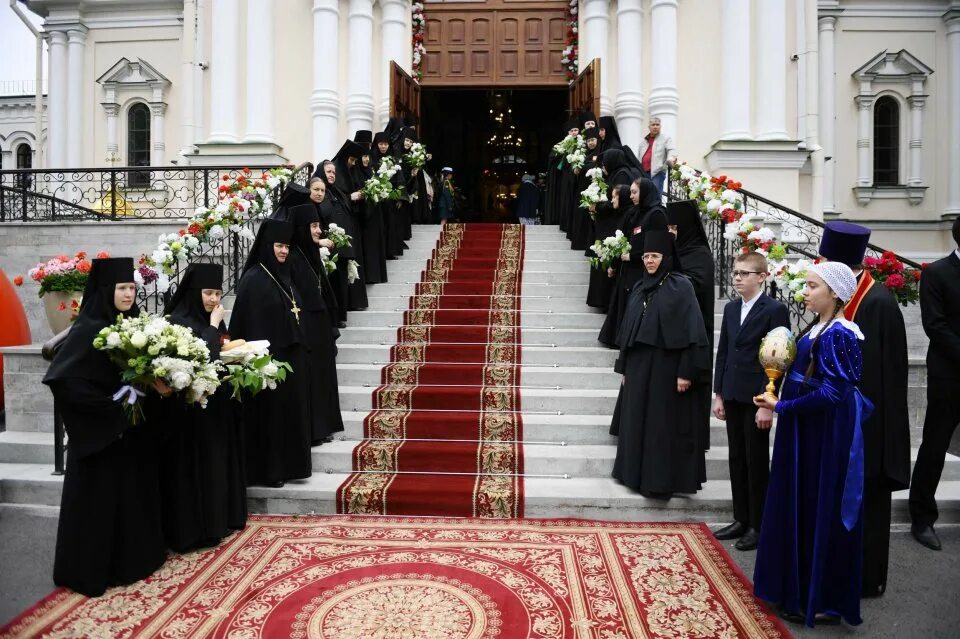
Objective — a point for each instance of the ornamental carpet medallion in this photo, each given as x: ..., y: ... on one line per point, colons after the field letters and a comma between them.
x: 349, y: 577
x: 445, y: 434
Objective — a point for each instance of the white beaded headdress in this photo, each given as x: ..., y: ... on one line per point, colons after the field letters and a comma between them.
x: 838, y: 277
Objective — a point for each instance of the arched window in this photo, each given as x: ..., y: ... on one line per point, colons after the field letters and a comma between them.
x: 138, y: 144
x: 886, y: 142
x: 24, y: 156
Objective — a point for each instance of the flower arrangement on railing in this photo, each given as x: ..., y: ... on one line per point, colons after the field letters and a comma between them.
x: 595, y: 192
x: 419, y: 26
x: 888, y: 270
x: 716, y: 197
x: 569, y: 58
x: 791, y: 277
x: 755, y: 238
x: 240, y: 200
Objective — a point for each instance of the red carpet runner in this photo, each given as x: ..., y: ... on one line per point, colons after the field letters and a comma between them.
x: 369, y: 577
x: 444, y: 434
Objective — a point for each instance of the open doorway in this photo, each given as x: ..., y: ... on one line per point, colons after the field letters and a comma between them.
x: 491, y: 138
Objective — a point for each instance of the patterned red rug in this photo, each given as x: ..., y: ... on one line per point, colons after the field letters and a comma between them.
x: 345, y: 577
x: 444, y: 434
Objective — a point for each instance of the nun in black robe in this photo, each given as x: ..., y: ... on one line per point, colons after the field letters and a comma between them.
x: 294, y: 195
x: 581, y: 225
x: 606, y: 224
x: 618, y: 172
x: 110, y: 531
x: 319, y: 326
x: 416, y: 188
x: 663, y: 347
x: 696, y: 262
x: 609, y: 133
x: 374, y: 239
x: 647, y: 214
x: 268, y: 307
x: 391, y: 210
x: 336, y: 209
x: 203, y: 484
x: 565, y: 182
x: 349, y: 183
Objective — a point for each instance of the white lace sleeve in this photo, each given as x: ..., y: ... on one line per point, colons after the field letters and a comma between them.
x: 852, y: 326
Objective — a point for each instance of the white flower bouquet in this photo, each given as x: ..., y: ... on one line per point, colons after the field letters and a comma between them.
x: 596, y: 192
x: 353, y: 271
x: 791, y: 278
x: 329, y: 262
x: 609, y: 250
x: 149, y: 349
x: 251, y: 368
x: 338, y: 236
x: 416, y: 157
x: 379, y: 188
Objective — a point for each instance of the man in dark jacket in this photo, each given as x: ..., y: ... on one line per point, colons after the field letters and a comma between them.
x: 940, y: 311
x: 528, y: 198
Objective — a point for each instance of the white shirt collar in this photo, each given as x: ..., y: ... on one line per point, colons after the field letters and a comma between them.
x: 748, y: 303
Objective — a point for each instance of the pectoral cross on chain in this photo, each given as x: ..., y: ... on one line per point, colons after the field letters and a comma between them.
x: 295, y: 310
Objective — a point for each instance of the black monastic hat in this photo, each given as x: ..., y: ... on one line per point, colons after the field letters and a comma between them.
x: 844, y: 242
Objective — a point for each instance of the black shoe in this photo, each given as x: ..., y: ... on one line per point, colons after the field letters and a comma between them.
x: 274, y: 484
x: 341, y: 324
x: 733, y: 531
x: 792, y: 617
x: 748, y: 541
x: 926, y: 536
x: 649, y: 494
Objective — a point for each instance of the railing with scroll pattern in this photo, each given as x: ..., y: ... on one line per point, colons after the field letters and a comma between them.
x: 230, y: 251
x: 115, y: 193
x: 800, y: 232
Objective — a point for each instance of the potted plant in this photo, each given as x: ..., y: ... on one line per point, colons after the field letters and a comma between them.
x: 62, y: 280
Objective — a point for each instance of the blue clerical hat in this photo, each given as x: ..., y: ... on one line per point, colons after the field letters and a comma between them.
x: 844, y: 242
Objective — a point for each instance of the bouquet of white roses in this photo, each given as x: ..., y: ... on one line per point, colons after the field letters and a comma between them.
x: 353, y: 271
x: 149, y: 349
x: 329, y: 262
x: 338, y: 236
x: 609, y: 250
x: 791, y: 277
x: 416, y: 157
x: 251, y: 368
x: 380, y: 187
x: 596, y: 192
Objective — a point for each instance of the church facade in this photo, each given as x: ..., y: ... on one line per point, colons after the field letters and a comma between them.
x: 832, y: 107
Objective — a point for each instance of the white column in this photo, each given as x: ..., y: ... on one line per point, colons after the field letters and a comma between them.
x: 200, y: 64
x: 953, y: 106
x: 76, y: 45
x: 915, y: 175
x: 595, y: 21
x: 260, y: 71
x: 185, y: 87
x: 157, y: 140
x: 771, y: 94
x: 360, y: 71
x: 394, y: 46
x: 57, y: 101
x: 735, y: 54
x: 325, y: 99
x: 827, y: 109
x: 664, y: 97
x: 112, y: 110
x: 629, y: 105
x: 224, y: 54
x: 864, y: 135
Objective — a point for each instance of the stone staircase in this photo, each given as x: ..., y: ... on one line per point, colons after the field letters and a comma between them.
x: 568, y: 394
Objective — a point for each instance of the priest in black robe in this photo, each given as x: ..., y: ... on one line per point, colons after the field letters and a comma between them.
x: 647, y: 213
x: 319, y: 327
x: 886, y: 433
x: 110, y: 531
x: 336, y: 209
x: 695, y: 260
x: 663, y: 348
x: 374, y: 239
x: 268, y: 307
x: 203, y: 482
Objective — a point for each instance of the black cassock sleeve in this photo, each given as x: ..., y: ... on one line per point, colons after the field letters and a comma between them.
x: 92, y: 418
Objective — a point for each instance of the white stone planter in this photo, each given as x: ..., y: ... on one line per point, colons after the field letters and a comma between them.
x: 52, y: 301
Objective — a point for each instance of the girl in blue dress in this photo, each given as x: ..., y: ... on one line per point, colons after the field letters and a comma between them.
x: 810, y: 550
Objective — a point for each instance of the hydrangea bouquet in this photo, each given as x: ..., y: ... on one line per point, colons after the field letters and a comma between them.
x: 338, y: 236
x: 416, y: 157
x: 148, y: 349
x: 596, y: 192
x: 379, y: 188
x: 609, y: 250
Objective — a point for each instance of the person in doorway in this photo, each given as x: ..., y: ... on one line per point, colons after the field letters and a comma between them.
x: 738, y: 377
x: 663, y: 347
x: 657, y: 154
x: 447, y: 203
x: 110, y: 529
x: 528, y: 199
x: 811, y: 542
x: 269, y: 307
x: 886, y: 434
x: 940, y: 312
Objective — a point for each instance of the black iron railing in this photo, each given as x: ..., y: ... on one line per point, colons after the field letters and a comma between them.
x: 116, y: 193
x: 799, y: 232
x: 229, y: 251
